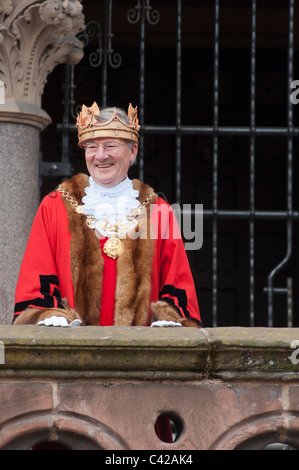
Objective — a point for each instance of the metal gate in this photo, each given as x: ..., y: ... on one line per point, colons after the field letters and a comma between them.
x: 221, y: 224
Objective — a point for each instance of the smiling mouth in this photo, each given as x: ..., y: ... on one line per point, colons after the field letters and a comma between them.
x: 104, y: 165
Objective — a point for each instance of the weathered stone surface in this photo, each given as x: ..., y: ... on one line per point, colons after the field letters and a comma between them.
x: 209, y: 352
x: 103, y: 350
x: 35, y: 36
x: 253, y: 349
x: 19, y: 195
x: 31, y: 396
x: 105, y: 387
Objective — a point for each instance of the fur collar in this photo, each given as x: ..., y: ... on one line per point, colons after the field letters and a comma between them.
x: 134, y: 266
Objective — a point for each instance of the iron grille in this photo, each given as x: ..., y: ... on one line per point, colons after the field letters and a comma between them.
x: 105, y: 58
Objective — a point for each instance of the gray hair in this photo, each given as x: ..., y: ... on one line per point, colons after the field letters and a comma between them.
x: 107, y: 113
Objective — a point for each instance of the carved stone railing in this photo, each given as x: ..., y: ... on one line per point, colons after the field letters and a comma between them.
x: 105, y: 387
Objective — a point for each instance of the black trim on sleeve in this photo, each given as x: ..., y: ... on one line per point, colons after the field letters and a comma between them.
x: 181, y: 296
x: 49, y: 289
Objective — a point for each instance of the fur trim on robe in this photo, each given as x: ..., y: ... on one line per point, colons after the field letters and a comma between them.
x: 134, y: 266
x: 133, y: 270
x: 31, y: 316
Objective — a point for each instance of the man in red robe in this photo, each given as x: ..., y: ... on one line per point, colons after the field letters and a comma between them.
x: 105, y: 250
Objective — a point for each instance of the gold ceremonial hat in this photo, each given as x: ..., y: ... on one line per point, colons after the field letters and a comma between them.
x: 90, y: 127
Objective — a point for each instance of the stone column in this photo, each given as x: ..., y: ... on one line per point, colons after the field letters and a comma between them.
x: 35, y: 36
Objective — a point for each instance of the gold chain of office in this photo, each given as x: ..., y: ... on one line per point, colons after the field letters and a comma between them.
x: 113, y: 246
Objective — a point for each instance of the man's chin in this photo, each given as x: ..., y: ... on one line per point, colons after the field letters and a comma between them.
x: 104, y: 177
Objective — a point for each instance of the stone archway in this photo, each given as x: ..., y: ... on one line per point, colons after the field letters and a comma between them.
x: 72, y: 431
x: 260, y: 431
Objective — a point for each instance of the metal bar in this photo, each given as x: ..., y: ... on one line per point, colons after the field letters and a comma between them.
x: 178, y: 102
x: 288, y: 291
x: 290, y: 302
x: 207, y: 130
x: 66, y: 117
x: 221, y: 130
x: 252, y: 170
x: 278, y: 290
x: 106, y: 18
x: 141, y: 90
x: 258, y: 215
x: 63, y: 168
x: 244, y: 215
x: 215, y: 165
x: 289, y: 176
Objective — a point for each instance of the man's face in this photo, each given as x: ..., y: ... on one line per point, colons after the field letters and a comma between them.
x: 108, y: 160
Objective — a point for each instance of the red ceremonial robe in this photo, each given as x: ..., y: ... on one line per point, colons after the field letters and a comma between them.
x: 64, y: 271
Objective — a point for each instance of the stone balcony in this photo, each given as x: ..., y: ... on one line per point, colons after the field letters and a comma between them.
x: 105, y: 387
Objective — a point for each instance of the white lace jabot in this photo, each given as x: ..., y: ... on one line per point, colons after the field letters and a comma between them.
x: 113, y: 203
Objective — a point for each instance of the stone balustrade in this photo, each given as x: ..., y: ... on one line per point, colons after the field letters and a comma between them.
x: 105, y: 387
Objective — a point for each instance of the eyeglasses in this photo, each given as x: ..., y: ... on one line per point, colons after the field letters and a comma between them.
x: 109, y: 147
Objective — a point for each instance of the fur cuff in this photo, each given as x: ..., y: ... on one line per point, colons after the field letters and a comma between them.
x: 31, y: 316
x: 163, y: 311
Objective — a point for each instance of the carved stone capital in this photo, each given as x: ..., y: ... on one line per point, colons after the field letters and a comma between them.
x: 35, y: 36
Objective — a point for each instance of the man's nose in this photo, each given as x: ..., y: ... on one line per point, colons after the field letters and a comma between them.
x: 101, y: 152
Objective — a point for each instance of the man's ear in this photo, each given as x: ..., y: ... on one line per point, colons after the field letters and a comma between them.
x: 133, y: 151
